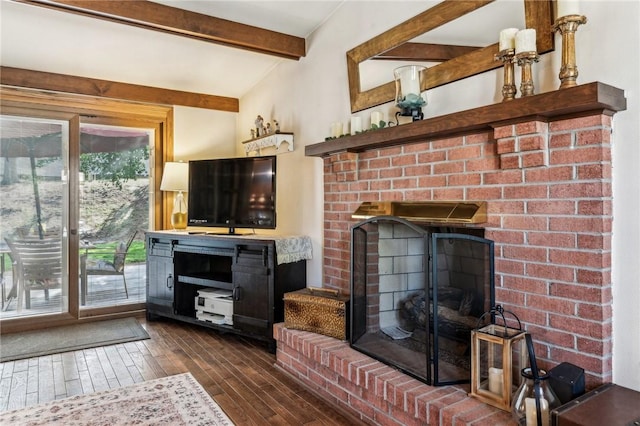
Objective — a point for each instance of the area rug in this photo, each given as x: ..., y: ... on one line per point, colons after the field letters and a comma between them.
x: 172, y: 400
x: 30, y: 344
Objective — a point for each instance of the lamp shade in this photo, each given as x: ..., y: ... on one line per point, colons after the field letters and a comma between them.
x: 175, y: 177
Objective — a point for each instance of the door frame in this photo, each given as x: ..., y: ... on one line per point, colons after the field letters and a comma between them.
x: 74, y: 109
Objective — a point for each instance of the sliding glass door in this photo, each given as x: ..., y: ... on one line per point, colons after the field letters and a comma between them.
x: 77, y: 193
x: 34, y: 216
x: 114, y: 202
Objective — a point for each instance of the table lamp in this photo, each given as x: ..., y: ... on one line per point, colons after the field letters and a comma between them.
x: 176, y: 178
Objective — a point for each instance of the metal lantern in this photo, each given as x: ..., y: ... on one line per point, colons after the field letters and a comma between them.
x: 498, y: 354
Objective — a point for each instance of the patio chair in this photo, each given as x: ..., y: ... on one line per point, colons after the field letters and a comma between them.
x: 91, y: 266
x: 37, y: 265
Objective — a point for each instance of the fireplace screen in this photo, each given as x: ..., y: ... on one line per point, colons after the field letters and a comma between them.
x: 416, y: 294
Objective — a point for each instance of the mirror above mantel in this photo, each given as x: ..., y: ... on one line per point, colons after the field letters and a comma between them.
x: 418, y: 40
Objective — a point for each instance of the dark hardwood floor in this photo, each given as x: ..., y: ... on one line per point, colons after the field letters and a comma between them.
x: 238, y: 373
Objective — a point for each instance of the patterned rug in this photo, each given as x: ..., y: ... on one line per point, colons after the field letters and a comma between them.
x: 173, y: 400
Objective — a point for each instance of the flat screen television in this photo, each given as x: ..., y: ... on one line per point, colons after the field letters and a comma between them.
x: 233, y: 193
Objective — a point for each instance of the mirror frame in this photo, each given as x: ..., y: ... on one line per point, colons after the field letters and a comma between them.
x: 538, y: 15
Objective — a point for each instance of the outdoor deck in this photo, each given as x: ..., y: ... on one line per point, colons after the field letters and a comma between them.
x: 102, y: 291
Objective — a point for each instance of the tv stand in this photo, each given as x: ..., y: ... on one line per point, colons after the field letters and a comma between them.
x: 181, y: 264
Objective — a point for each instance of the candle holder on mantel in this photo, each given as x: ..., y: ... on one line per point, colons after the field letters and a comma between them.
x: 507, y: 56
x: 568, y: 25
x: 525, y: 60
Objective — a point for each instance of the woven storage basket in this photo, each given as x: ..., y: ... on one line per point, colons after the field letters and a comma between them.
x: 318, y: 310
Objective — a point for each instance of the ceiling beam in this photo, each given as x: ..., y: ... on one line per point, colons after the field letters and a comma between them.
x: 159, y: 17
x: 111, y: 89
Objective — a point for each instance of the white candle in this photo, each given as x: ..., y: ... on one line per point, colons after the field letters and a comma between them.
x: 356, y: 125
x: 532, y: 414
x: 336, y: 129
x: 376, y: 118
x: 567, y: 7
x: 526, y: 40
x: 410, y: 80
x: 508, y: 39
x: 495, y: 380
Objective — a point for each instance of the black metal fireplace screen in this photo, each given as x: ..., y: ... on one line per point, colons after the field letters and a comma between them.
x: 416, y: 294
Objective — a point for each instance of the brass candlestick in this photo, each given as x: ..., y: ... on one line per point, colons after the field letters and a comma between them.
x: 508, y: 88
x: 525, y: 60
x: 568, y: 25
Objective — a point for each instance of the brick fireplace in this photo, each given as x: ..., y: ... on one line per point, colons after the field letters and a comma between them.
x: 543, y: 165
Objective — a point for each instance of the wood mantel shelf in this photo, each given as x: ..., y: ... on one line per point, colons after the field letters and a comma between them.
x: 571, y: 102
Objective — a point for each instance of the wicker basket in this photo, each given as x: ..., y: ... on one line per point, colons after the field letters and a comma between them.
x: 318, y: 310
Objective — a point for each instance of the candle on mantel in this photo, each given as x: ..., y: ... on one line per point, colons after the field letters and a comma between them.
x: 376, y: 118
x: 495, y: 380
x: 507, y: 39
x: 526, y: 41
x: 356, y: 125
x: 567, y: 7
x: 336, y: 129
x: 532, y: 413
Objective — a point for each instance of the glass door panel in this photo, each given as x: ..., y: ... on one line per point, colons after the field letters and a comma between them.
x: 115, y: 208
x: 34, y: 217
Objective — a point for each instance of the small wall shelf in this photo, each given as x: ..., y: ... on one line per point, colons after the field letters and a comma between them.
x: 272, y: 139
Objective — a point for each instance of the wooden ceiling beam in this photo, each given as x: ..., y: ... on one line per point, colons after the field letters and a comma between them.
x: 111, y: 89
x: 159, y: 17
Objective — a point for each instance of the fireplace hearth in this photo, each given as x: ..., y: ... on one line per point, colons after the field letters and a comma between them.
x: 417, y: 291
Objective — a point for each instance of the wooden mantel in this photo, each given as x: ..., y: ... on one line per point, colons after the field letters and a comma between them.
x: 559, y: 104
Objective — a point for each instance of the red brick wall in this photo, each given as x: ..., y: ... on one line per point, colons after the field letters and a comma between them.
x: 548, y: 188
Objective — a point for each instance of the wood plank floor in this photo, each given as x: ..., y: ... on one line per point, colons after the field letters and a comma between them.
x: 238, y: 373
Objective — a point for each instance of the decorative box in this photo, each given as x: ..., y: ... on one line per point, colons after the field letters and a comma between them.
x: 609, y: 404
x: 322, y: 311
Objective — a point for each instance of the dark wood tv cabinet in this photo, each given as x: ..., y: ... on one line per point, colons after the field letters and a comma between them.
x: 180, y: 264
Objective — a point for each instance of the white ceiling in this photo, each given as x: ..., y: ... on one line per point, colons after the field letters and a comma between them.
x: 41, y: 39
x: 293, y: 17
x: 37, y: 38
x: 298, y: 18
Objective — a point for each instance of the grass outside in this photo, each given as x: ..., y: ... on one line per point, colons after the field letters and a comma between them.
x: 136, y: 254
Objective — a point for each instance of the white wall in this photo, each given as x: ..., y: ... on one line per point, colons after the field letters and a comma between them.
x: 610, y: 54
x: 308, y: 95
x: 203, y: 133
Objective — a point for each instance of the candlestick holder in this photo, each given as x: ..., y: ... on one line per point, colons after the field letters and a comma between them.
x: 525, y: 60
x: 568, y: 25
x: 507, y: 56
